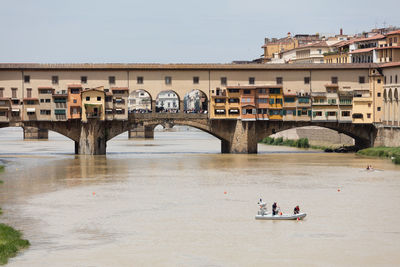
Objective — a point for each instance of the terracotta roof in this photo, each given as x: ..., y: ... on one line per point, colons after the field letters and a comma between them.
x: 388, y: 47
x: 92, y: 89
x: 318, y: 44
x: 393, y: 32
x: 390, y: 64
x: 363, y: 50
x: 120, y: 66
x: 375, y: 37
x: 46, y: 87
x: 5, y: 98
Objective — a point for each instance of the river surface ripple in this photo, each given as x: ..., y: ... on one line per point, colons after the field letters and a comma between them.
x: 175, y: 201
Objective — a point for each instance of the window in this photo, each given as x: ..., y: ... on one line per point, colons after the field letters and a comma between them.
x: 246, y: 92
x: 74, y: 101
x: 168, y: 79
x: 111, y: 79
x: 271, y: 101
x: 384, y: 80
x: 379, y: 94
x: 99, y: 98
x: 54, y: 79
x: 1, y: 92
x: 331, y: 113
x: 88, y: 98
x: 30, y: 102
x: 14, y: 92
x: 345, y: 113
x: 361, y: 79
x: 233, y: 90
x: 75, y: 91
x: 274, y: 90
x: 391, y: 79
x: 234, y: 111
x: 220, y: 100
x: 379, y: 108
x: 48, y: 100
x: 279, y: 80
x: 379, y: 80
x: 306, y: 80
x: 108, y: 98
x: 195, y: 80
x: 219, y: 111
x: 224, y: 81
x: 233, y: 100
x: 369, y: 105
x: 252, y: 80
x: 289, y: 99
x: 262, y: 100
x: 262, y: 91
x: 334, y: 80
x: 45, y: 112
x: 395, y: 79
x: 28, y: 92
x: 368, y: 115
x: 27, y: 79
x: 83, y: 79
x: 279, y: 101
x: 358, y: 116
x: 139, y: 80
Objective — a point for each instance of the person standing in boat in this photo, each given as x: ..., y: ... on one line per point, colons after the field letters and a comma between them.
x: 296, y: 210
x: 274, y: 208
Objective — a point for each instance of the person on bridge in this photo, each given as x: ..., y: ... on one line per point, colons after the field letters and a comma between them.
x: 274, y: 208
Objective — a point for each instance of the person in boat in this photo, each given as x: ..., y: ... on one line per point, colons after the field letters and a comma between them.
x: 296, y: 210
x: 369, y: 168
x: 274, y: 208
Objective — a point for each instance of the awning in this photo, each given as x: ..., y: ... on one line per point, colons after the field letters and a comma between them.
x: 119, y: 109
x: 234, y: 111
x: 30, y: 110
x: 15, y: 110
x: 4, y: 108
x: 220, y: 110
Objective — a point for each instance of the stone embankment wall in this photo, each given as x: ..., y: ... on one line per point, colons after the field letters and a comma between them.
x: 387, y: 136
x: 317, y: 136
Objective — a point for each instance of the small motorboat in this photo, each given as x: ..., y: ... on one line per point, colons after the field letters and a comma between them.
x: 263, y: 214
x: 269, y: 216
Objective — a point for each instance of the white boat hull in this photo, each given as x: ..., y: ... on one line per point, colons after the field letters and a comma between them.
x: 269, y: 216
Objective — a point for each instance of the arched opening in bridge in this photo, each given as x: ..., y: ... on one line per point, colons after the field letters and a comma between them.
x: 317, y: 136
x: 139, y: 101
x: 12, y: 141
x: 167, y: 101
x: 195, y: 101
x: 168, y: 138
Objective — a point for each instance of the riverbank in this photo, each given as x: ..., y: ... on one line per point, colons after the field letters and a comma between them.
x: 10, y: 239
x: 304, y: 143
x: 392, y: 153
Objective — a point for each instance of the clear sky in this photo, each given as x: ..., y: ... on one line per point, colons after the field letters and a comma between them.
x: 186, y: 31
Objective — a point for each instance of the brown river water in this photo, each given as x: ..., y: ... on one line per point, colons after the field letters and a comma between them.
x: 175, y: 201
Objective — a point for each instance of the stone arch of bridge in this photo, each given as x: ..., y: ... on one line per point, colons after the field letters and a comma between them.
x: 69, y: 129
x: 174, y: 105
x: 163, y: 122
x: 204, y: 103
x: 363, y: 134
x: 147, y: 101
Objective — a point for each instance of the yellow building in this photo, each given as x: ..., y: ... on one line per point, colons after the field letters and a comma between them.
x: 275, y: 103
x: 93, y: 104
x: 389, y: 51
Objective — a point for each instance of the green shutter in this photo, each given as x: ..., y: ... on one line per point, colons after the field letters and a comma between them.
x: 309, y: 113
x: 314, y: 114
x: 299, y: 113
x: 326, y: 114
x: 284, y: 112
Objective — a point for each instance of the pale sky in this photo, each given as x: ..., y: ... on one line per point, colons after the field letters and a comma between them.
x: 187, y: 31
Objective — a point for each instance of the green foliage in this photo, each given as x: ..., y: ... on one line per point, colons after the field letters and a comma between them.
x: 10, y: 243
x: 301, y: 143
x: 382, y: 152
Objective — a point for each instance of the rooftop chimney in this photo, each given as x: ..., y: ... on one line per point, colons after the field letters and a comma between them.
x: 289, y: 35
x: 341, y: 31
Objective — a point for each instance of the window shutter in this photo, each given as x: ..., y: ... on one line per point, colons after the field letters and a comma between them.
x: 299, y: 113
x: 314, y: 114
x: 284, y: 112
x: 326, y: 114
x: 309, y: 113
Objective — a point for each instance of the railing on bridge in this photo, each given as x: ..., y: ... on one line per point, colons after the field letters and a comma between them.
x: 182, y: 116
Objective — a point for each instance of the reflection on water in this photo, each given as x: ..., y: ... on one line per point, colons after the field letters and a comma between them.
x: 162, y: 202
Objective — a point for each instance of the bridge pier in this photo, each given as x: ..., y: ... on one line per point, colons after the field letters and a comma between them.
x: 146, y: 132
x: 387, y: 136
x: 243, y: 138
x: 93, y: 138
x: 33, y: 133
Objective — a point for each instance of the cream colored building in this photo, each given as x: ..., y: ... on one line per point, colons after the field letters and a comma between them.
x: 93, y: 104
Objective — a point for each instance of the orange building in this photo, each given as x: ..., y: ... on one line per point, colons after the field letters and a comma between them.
x: 74, y: 101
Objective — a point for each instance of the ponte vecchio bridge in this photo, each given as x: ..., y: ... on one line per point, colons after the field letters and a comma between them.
x: 88, y: 103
